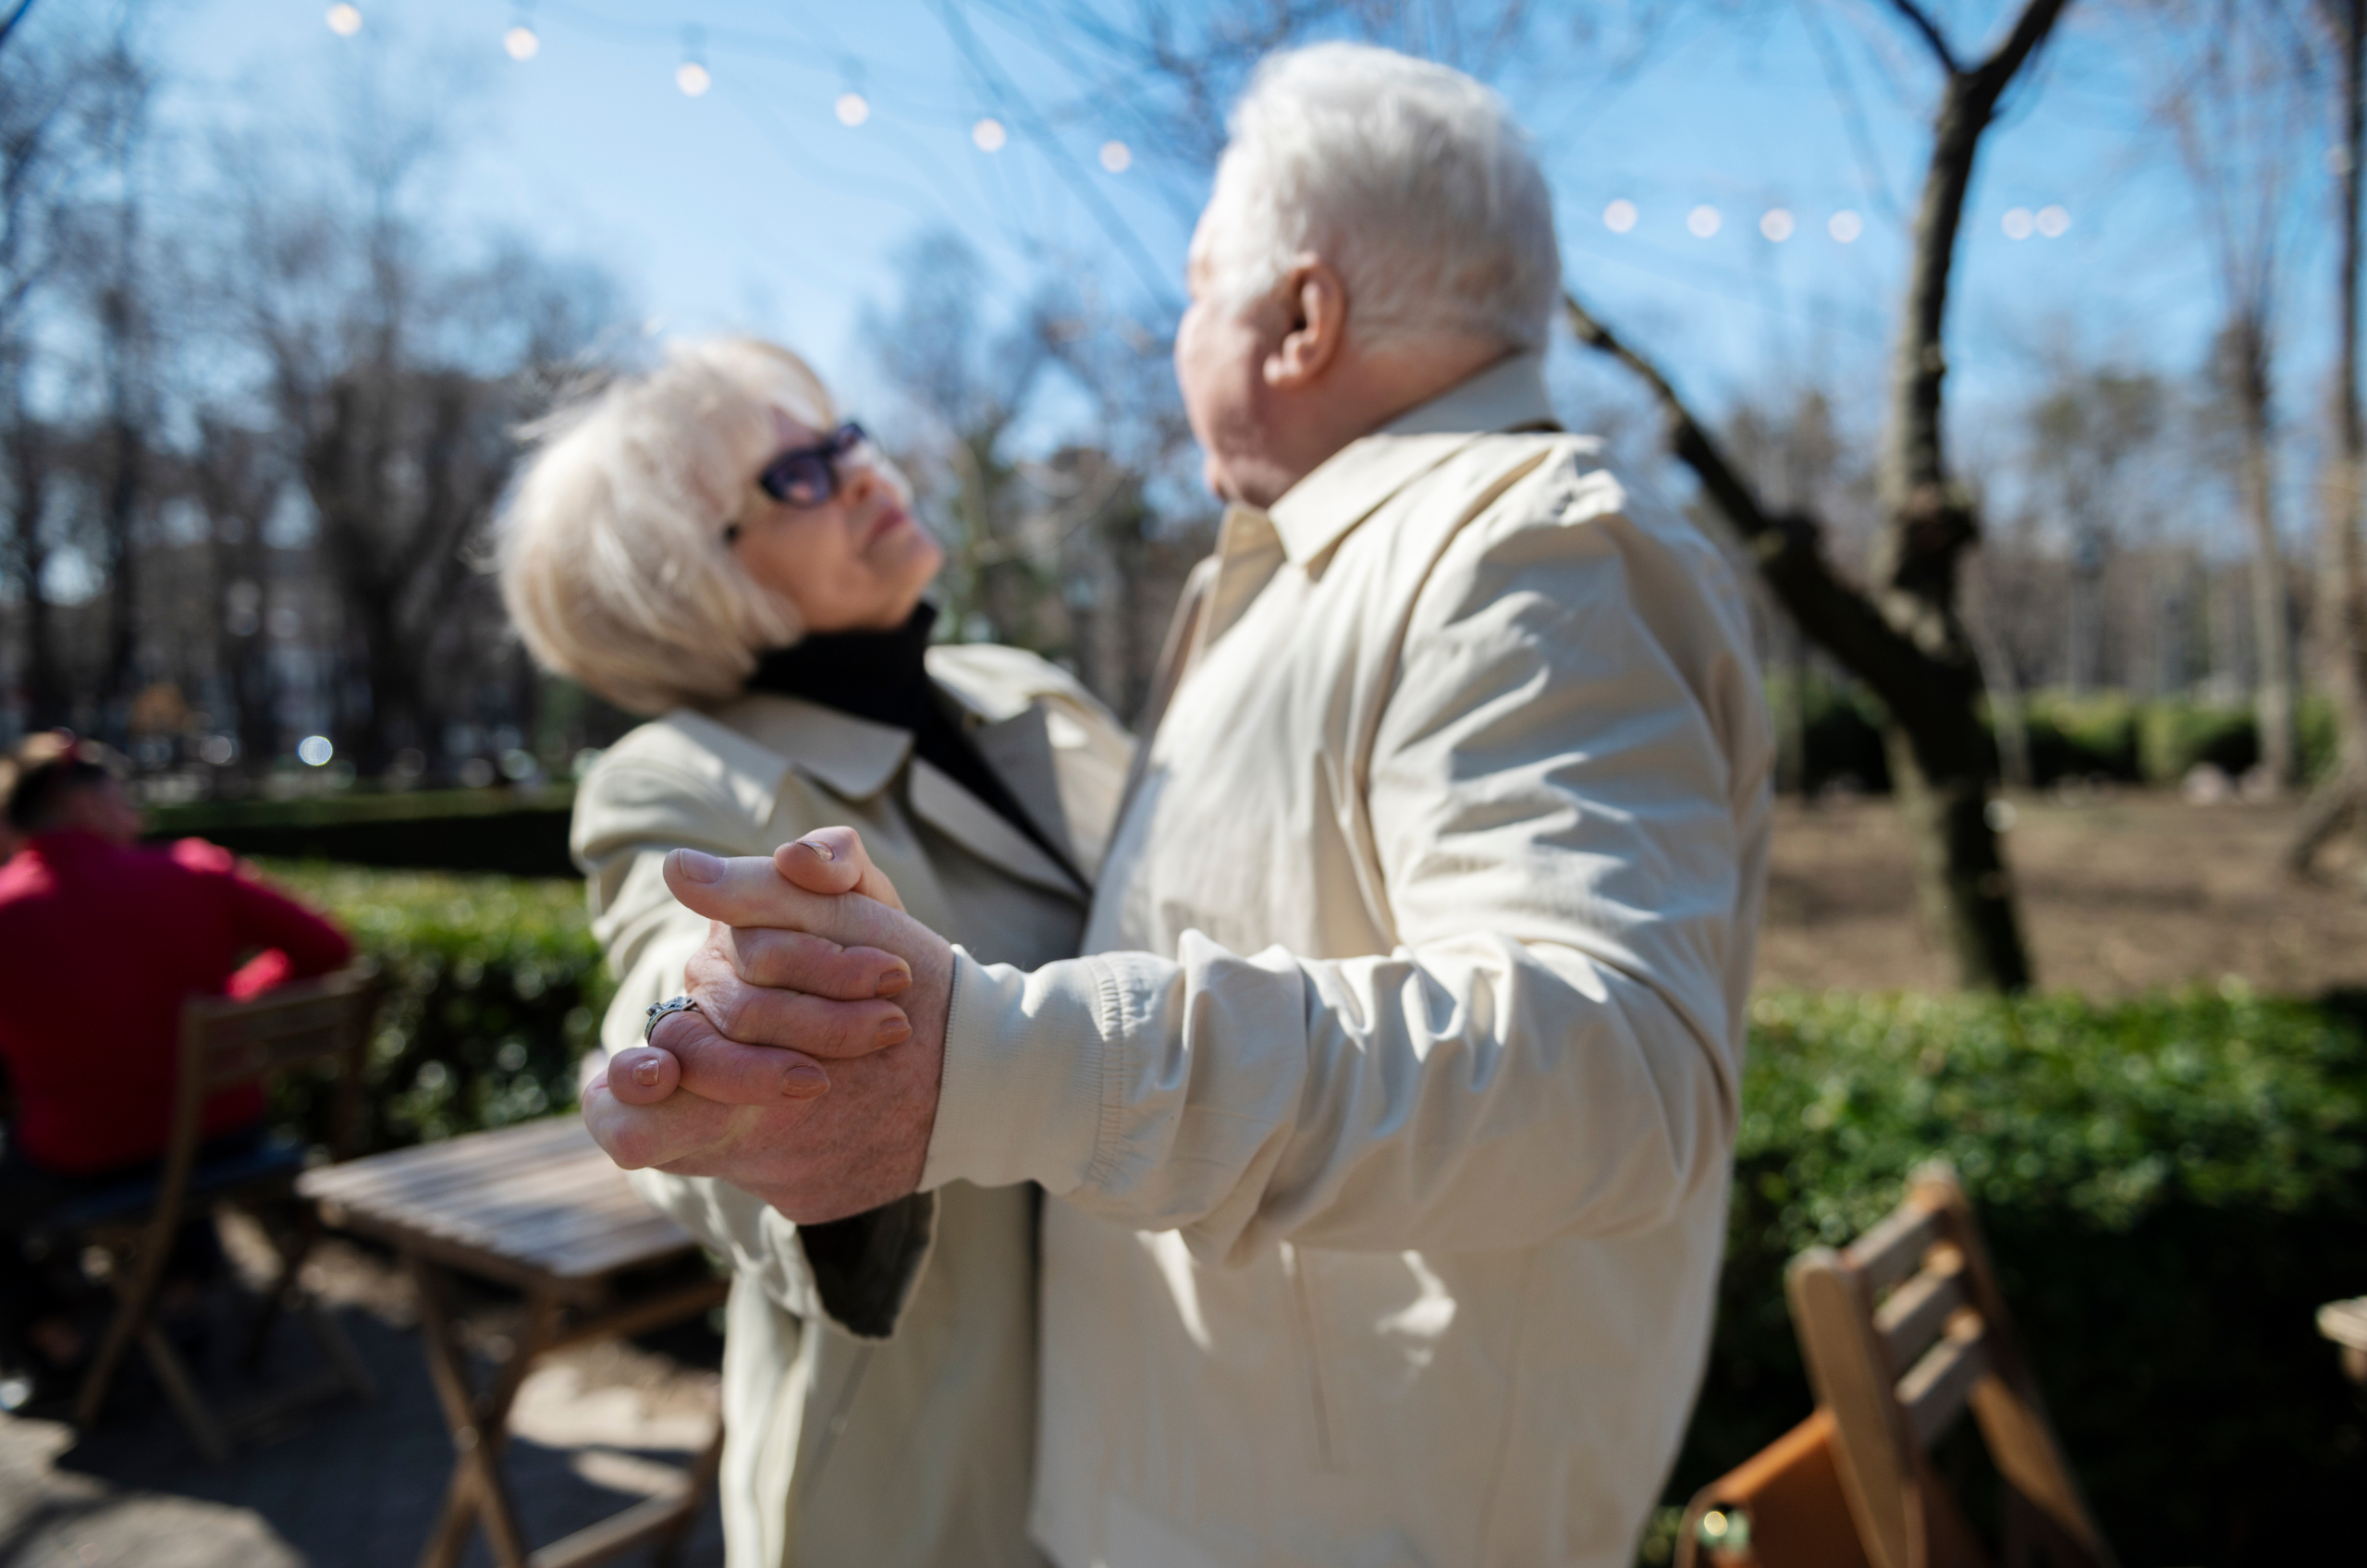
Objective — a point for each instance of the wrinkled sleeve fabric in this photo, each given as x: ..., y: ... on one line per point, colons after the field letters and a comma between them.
x: 1546, y: 1051
x: 858, y: 1272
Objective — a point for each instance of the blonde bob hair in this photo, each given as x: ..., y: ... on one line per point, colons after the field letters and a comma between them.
x: 610, y: 544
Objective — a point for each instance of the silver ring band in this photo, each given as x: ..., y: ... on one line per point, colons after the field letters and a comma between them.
x: 664, y: 1009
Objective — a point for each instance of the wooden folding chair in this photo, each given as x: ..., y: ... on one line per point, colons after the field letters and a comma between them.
x: 225, y: 1044
x: 1901, y: 1331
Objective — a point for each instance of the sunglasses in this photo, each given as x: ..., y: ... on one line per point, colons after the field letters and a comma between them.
x: 807, y: 476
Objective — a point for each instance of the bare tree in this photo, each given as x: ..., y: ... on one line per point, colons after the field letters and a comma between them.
x: 395, y: 379
x: 2233, y: 79
x: 1905, y: 638
x: 239, y: 478
x: 2342, y: 574
x: 968, y: 384
x: 2084, y: 432
x: 67, y: 101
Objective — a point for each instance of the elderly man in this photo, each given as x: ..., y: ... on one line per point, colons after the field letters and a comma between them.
x: 1387, y: 1122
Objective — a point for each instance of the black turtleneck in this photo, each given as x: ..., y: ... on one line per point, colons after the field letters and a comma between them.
x: 882, y: 676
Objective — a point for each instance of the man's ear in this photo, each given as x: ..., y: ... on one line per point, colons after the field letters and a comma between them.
x: 1315, y: 305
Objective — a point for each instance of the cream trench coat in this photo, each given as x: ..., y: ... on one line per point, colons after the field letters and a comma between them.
x: 845, y: 1446
x: 1388, y: 1134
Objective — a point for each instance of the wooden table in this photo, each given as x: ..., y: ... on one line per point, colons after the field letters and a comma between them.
x: 540, y: 1209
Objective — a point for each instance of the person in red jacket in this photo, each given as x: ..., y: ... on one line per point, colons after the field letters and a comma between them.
x: 101, y: 942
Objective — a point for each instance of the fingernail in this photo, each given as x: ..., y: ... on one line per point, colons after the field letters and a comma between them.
x: 894, y: 983
x: 698, y: 865
x: 823, y: 850
x: 803, y: 1082
x: 645, y: 1074
x: 894, y: 1031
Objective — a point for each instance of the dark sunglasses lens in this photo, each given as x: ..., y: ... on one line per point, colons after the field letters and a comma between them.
x: 803, y: 479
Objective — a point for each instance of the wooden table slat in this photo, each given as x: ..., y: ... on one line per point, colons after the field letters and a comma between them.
x: 541, y: 1196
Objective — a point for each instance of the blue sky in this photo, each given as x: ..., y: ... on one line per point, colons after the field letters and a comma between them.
x: 750, y: 206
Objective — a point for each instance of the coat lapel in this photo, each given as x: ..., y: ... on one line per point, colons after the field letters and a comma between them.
x: 944, y: 804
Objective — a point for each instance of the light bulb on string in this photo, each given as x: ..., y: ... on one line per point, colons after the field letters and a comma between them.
x: 345, y: 20
x: 989, y: 135
x: 852, y: 108
x: 1620, y: 216
x: 1777, y: 224
x: 1703, y: 222
x: 1117, y: 157
x: 2053, y: 223
x: 2018, y: 223
x: 1845, y: 226
x: 691, y: 75
x: 520, y: 42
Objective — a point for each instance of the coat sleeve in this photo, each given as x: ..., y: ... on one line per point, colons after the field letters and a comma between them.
x: 857, y: 1272
x: 1557, y: 795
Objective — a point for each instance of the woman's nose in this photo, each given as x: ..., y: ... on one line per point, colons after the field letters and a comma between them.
x: 859, y: 474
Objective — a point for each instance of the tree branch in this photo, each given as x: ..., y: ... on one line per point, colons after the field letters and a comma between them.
x: 1933, y: 36
x: 2038, y: 19
x: 1914, y: 471
x: 1788, y: 549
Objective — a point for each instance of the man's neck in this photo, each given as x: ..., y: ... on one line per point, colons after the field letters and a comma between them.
x: 1363, y: 391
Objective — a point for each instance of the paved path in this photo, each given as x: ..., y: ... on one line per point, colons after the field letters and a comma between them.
x: 350, y: 1486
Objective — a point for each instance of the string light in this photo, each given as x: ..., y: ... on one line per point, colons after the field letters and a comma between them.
x: 1845, y: 226
x: 989, y: 135
x: 1620, y: 216
x: 1117, y: 157
x: 691, y: 76
x: 850, y: 109
x: 1777, y: 224
x: 1703, y: 222
x: 520, y: 42
x: 345, y: 20
x: 2054, y: 223
x: 2019, y: 224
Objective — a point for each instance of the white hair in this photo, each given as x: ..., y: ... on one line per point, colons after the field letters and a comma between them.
x: 612, y: 557
x: 1409, y: 178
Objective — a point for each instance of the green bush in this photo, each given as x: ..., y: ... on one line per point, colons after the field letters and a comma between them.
x: 2314, y: 722
x: 2174, y: 736
x: 1841, y: 728
x: 515, y: 832
x: 494, y: 989
x: 2080, y: 736
x: 2170, y: 1187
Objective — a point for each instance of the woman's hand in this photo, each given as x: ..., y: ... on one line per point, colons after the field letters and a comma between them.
x: 830, y: 860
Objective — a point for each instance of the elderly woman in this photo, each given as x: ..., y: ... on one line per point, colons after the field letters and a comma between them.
x: 709, y: 544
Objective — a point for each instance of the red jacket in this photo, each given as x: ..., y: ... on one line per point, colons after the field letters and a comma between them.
x: 99, y: 947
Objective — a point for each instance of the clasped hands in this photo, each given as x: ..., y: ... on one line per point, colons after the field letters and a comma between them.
x: 808, y: 1075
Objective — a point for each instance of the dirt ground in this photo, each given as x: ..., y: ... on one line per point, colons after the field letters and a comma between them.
x: 2122, y: 892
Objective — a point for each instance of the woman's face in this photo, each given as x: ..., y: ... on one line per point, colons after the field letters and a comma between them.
x: 857, y: 562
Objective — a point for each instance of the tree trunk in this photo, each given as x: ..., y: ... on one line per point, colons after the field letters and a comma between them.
x: 2272, y: 619
x: 47, y: 702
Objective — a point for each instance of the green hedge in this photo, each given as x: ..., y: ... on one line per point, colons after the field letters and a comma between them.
x: 496, y: 988
x: 2100, y: 734
x: 514, y: 832
x: 2170, y: 1187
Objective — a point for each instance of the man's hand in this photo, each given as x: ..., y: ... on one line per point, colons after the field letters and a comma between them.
x: 772, y: 1000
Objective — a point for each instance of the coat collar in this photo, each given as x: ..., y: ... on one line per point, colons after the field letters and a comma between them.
x: 1359, y: 478
x: 757, y: 740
